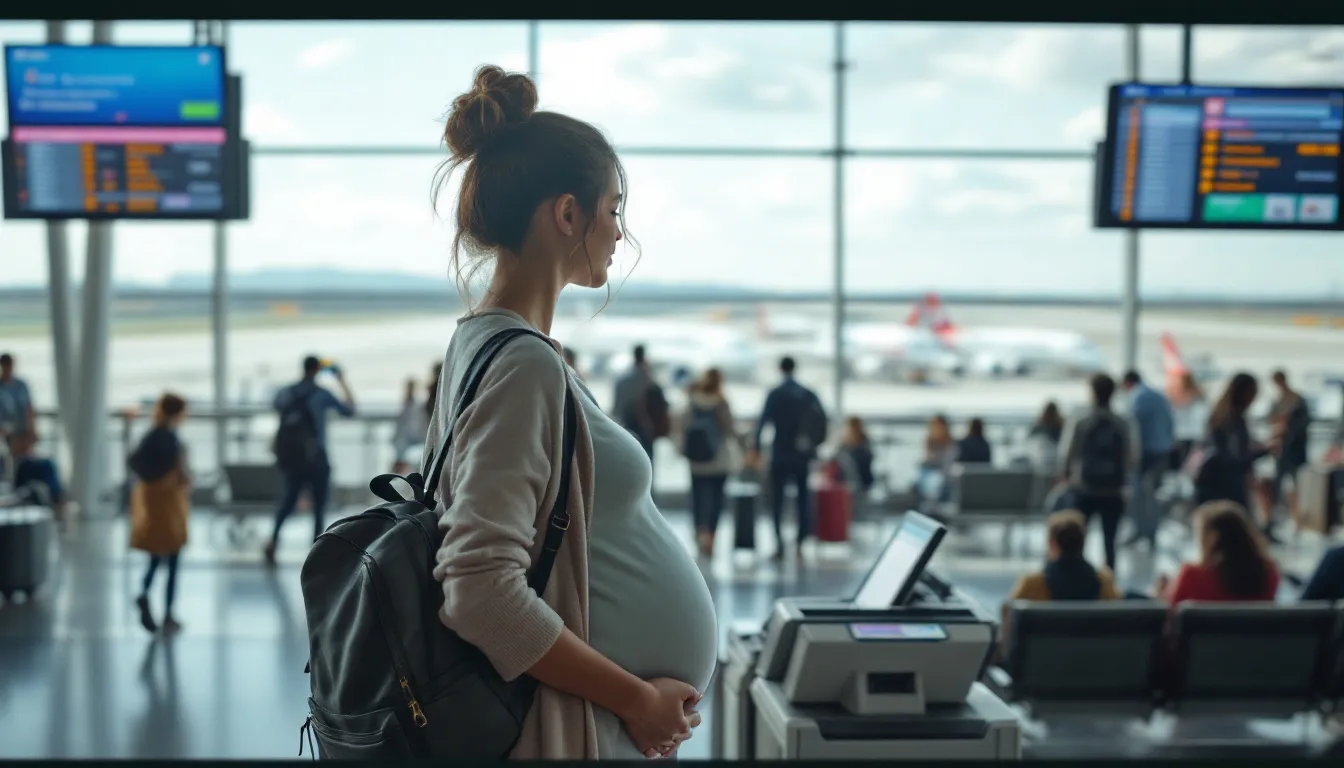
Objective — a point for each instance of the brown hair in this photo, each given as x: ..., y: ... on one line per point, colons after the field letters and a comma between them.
x: 1068, y: 531
x: 1234, y: 549
x: 1050, y: 417
x: 1236, y: 400
x: 169, y: 407
x: 517, y: 158
x: 710, y: 383
x: 854, y: 430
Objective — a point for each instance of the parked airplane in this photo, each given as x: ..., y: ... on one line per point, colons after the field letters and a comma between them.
x: 604, y: 344
x: 1008, y: 351
x: 928, y: 342
x: 872, y: 349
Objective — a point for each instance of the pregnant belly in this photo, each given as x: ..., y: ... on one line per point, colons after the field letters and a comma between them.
x: 650, y: 610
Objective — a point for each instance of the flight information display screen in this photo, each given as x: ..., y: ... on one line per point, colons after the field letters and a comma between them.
x: 115, y: 85
x: 92, y: 172
x: 1189, y: 156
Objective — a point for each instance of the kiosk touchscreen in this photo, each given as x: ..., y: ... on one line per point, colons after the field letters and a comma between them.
x: 893, y: 577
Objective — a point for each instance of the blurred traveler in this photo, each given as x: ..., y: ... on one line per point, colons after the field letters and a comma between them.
x: 855, y: 454
x: 1043, y: 440
x: 1233, y: 565
x: 799, y: 421
x: 1191, y: 411
x: 1327, y: 581
x: 640, y: 405
x: 711, y: 445
x: 160, y: 505
x: 940, y: 453
x: 35, y: 478
x: 301, y: 443
x: 1290, y: 417
x: 974, y: 448
x: 1101, y: 454
x: 1152, y: 415
x: 1229, y: 452
x: 16, y: 402
x: 1067, y: 574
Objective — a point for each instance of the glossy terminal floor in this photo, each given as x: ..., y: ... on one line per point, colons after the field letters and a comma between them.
x: 79, y: 677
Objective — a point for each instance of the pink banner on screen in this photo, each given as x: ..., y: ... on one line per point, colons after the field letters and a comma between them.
x: 116, y: 135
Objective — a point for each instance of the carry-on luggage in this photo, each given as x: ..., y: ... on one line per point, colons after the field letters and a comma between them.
x: 744, y: 497
x: 835, y: 509
x: 26, y: 536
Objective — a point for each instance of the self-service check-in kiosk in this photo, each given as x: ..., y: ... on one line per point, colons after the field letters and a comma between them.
x: 889, y: 674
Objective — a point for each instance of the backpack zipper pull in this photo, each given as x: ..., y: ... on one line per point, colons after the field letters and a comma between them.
x: 418, y: 716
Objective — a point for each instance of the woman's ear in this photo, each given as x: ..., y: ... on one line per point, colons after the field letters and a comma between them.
x: 564, y: 213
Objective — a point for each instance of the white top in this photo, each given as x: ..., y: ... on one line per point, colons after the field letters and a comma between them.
x: 650, y: 610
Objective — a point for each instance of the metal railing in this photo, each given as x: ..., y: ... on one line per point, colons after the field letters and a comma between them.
x: 361, y: 446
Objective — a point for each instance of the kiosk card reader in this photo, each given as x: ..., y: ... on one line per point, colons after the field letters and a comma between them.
x: 901, y: 688
x: 898, y: 599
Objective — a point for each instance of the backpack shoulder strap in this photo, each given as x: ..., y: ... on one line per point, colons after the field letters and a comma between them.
x: 559, y: 519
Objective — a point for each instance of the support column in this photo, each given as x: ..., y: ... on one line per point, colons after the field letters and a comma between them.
x: 62, y: 314
x: 91, y: 443
x: 533, y: 48
x: 1130, y: 294
x: 219, y: 304
x: 838, y: 221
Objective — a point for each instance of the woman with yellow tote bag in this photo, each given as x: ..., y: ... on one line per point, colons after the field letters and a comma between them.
x: 160, y: 504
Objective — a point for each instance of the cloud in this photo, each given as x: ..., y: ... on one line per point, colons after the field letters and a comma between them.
x: 324, y: 54
x: 266, y: 124
x: 1086, y: 126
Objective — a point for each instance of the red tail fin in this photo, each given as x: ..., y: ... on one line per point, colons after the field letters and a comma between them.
x: 1172, y: 362
x: 929, y: 313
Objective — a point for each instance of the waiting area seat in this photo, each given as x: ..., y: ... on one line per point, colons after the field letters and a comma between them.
x: 1251, y: 659
x: 1135, y: 657
x: 981, y: 493
x: 251, y: 489
x: 1079, y: 658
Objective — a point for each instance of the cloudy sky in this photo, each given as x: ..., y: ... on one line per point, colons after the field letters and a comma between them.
x: 936, y: 223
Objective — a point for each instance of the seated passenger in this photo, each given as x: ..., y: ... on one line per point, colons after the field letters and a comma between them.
x: 34, y: 474
x: 1327, y: 581
x: 940, y: 451
x: 1067, y: 575
x: 855, y: 454
x: 1043, y: 440
x: 974, y: 448
x: 1233, y: 564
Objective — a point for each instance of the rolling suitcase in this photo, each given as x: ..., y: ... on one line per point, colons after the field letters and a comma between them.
x: 26, y: 536
x: 835, y: 508
x: 743, y: 496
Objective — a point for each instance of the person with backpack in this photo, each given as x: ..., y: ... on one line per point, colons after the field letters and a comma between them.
x: 573, y: 624
x: 1100, y: 456
x: 160, y: 505
x: 640, y: 403
x: 1152, y: 414
x: 301, y: 443
x: 801, y: 428
x: 707, y: 441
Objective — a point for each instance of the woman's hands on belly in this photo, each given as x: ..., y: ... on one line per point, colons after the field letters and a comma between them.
x: 667, y: 706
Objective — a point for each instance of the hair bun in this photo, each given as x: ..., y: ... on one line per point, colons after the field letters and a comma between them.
x: 497, y: 100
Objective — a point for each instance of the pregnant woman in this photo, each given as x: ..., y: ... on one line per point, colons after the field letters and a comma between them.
x: 624, y: 639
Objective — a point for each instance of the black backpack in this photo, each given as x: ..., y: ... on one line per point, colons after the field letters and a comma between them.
x: 389, y: 680
x: 295, y: 445
x: 812, y: 427
x: 703, y: 436
x: 1104, y: 448
x: 660, y: 412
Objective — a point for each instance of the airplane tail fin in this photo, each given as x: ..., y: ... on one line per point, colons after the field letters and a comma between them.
x: 1172, y: 362
x: 929, y: 313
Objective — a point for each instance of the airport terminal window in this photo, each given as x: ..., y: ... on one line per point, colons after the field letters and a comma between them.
x: 341, y: 214
x: 723, y: 84
x: 1304, y: 56
x: 334, y: 84
x: 977, y: 86
x: 964, y: 226
x: 1159, y: 53
x: 722, y: 223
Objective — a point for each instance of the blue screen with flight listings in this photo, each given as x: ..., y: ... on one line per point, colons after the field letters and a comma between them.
x: 84, y: 85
